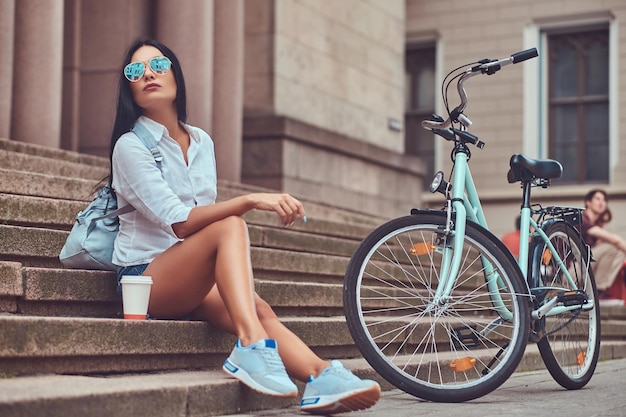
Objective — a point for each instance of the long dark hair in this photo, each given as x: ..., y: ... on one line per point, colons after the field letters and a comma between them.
x: 589, y: 196
x: 128, y: 111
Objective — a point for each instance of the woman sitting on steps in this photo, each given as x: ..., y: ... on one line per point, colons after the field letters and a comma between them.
x: 607, y: 248
x: 197, y: 251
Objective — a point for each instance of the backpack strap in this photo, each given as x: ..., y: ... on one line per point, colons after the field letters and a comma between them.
x: 150, y: 143
x: 107, y: 193
x: 114, y: 213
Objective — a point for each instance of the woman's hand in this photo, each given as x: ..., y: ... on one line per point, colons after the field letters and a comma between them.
x: 287, y: 207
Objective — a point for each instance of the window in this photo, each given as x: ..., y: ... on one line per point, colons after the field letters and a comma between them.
x: 578, y: 104
x: 420, y: 103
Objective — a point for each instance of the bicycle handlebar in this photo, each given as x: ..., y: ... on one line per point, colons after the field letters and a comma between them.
x: 487, y: 66
x: 524, y: 55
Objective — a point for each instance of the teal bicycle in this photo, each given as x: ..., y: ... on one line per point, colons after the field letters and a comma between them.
x: 438, y: 305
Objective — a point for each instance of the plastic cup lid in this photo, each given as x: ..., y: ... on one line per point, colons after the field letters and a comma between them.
x: 136, y: 279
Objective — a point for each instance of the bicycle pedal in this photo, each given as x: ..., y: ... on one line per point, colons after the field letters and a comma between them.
x: 465, y: 337
x: 572, y: 298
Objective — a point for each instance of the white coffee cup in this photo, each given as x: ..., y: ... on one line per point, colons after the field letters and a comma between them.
x: 136, y: 296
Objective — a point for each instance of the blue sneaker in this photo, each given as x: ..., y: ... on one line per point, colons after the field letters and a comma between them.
x: 259, y: 366
x: 337, y: 390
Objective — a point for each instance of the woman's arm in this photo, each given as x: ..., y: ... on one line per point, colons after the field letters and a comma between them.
x: 606, y: 236
x: 285, y: 206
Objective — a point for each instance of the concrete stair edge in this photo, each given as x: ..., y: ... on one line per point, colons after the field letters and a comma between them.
x: 35, y: 184
x: 15, y: 146
x: 32, y: 345
x: 66, y: 292
x: 19, y: 243
x: 188, y: 393
x: 81, y: 167
x: 44, y: 211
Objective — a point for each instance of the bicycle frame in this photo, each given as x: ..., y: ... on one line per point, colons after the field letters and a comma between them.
x: 465, y: 208
x: 465, y: 204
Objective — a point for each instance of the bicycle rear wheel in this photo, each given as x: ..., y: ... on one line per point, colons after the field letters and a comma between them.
x: 447, y: 350
x: 571, y: 344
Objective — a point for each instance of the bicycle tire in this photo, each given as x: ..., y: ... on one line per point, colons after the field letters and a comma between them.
x: 413, y: 343
x: 570, y: 345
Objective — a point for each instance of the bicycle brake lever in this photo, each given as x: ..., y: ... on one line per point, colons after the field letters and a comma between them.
x: 447, y: 134
x: 482, y: 62
x: 435, y: 118
x: 467, y: 137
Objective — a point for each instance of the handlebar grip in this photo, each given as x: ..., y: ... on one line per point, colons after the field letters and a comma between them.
x: 524, y: 55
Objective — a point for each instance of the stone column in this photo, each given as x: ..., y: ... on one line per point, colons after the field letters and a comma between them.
x: 188, y: 31
x: 228, y: 87
x: 7, y: 18
x: 71, y: 110
x: 37, y: 73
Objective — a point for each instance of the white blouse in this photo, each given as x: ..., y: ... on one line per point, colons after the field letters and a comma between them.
x: 161, y: 197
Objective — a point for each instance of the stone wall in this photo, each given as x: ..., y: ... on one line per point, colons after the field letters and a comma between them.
x: 338, y: 65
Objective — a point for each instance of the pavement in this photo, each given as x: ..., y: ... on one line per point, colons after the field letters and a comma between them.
x: 524, y: 394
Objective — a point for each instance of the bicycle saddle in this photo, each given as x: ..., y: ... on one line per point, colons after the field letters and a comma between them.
x: 524, y: 168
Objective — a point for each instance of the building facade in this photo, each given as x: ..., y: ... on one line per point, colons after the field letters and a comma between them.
x: 323, y: 98
x: 568, y: 104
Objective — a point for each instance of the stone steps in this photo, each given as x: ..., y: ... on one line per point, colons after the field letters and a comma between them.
x: 60, y: 325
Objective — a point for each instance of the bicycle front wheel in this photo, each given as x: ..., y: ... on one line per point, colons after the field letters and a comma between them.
x: 571, y: 344
x: 448, y: 347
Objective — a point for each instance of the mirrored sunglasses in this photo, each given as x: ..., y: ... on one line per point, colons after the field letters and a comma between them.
x: 135, y: 70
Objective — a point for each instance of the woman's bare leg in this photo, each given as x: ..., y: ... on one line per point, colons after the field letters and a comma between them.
x: 218, y: 255
x: 183, y: 283
x: 300, y: 361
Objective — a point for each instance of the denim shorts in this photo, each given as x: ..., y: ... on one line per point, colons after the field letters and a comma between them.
x: 129, y: 270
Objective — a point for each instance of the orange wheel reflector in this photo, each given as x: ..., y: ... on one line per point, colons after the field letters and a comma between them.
x: 580, y: 358
x: 422, y: 248
x: 462, y: 364
x: 547, y: 257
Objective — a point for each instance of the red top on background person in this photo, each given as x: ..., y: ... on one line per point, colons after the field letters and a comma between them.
x: 511, y: 239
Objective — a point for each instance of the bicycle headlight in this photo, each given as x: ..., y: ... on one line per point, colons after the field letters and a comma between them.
x: 438, y: 184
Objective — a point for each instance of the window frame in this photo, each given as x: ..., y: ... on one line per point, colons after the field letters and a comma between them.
x: 580, y: 101
x: 412, y: 110
x: 431, y: 39
x: 536, y: 95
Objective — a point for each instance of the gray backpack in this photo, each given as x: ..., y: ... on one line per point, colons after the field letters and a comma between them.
x: 90, y: 242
